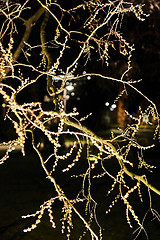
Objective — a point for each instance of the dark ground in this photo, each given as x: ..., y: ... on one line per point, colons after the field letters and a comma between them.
x: 24, y: 188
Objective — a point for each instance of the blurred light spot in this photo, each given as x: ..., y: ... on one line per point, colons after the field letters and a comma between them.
x: 113, y: 106
x: 107, y: 104
x: 69, y: 87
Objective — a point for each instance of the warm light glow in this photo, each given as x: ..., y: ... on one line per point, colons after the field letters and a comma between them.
x: 3, y: 105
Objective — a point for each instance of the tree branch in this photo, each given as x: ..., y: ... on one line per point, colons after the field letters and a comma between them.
x: 28, y: 23
x: 90, y: 134
x: 50, y: 86
x: 59, y: 192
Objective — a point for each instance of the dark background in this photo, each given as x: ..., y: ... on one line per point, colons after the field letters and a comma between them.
x: 23, y: 183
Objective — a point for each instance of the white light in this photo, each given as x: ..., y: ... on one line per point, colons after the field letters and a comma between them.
x: 69, y: 87
x: 107, y: 104
x: 113, y: 106
x: 89, y: 77
x: 145, y: 118
x: 60, y: 77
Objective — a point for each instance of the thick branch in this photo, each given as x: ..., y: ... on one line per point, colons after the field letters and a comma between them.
x: 50, y: 87
x: 28, y: 23
x: 89, y: 133
x: 141, y: 179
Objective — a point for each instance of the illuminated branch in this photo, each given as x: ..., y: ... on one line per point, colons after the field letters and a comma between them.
x: 28, y: 28
x: 97, y: 31
x: 50, y: 85
x: 61, y: 194
x: 28, y: 24
x: 88, y: 133
x: 48, y: 10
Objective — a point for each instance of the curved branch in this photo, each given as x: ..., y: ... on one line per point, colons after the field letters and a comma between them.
x: 48, y: 10
x: 116, y: 154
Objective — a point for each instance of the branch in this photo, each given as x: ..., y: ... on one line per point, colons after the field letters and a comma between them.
x: 59, y: 191
x: 59, y: 24
x: 90, y: 134
x: 28, y: 23
x: 50, y: 86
